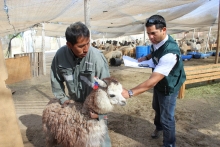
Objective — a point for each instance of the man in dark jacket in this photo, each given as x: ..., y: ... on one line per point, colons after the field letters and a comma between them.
x: 166, y: 79
x: 75, y: 65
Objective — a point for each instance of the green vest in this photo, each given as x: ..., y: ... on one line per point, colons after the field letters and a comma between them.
x: 171, y: 83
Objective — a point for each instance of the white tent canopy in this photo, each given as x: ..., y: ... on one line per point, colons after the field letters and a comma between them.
x: 109, y: 18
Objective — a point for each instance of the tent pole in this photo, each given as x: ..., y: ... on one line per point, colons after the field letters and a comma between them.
x: 193, y: 34
x: 87, y: 15
x: 43, y: 49
x: 58, y: 42
x: 32, y: 38
x: 144, y: 35
x: 103, y: 39
x: 218, y: 39
x: 207, y: 42
x: 33, y: 53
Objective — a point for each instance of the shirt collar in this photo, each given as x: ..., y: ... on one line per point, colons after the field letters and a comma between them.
x: 156, y: 46
x: 75, y: 57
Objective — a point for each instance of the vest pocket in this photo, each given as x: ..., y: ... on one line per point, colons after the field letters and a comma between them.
x: 67, y: 73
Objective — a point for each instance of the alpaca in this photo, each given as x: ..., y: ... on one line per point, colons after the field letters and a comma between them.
x: 112, y: 54
x: 72, y: 126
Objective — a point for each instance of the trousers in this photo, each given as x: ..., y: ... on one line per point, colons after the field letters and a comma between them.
x: 164, y: 107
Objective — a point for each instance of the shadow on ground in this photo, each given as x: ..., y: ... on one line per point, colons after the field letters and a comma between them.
x: 34, y: 132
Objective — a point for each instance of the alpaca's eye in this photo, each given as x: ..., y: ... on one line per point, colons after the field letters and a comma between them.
x: 112, y: 95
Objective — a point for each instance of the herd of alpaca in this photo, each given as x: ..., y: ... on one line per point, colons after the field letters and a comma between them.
x: 117, y: 49
x: 72, y: 126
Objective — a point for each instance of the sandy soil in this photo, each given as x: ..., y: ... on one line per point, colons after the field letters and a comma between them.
x: 197, y: 115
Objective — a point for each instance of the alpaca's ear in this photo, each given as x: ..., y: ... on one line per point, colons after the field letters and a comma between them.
x: 100, y: 82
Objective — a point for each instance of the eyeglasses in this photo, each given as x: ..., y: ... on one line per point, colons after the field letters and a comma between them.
x: 155, y: 21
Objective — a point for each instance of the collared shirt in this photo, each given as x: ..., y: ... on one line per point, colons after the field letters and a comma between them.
x: 166, y: 62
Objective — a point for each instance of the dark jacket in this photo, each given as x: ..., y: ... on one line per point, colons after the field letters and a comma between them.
x: 77, y: 74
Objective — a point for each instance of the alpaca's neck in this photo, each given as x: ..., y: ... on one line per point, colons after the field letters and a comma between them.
x: 103, y: 102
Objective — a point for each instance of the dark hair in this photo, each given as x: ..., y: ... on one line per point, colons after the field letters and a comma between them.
x: 156, y: 20
x: 75, y: 31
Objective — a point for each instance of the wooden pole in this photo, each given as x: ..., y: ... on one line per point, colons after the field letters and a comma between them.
x: 218, y: 39
x: 87, y: 15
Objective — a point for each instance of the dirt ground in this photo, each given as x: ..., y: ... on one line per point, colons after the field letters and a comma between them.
x: 197, y: 115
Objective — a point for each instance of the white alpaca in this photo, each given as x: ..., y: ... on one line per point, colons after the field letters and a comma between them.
x: 72, y: 126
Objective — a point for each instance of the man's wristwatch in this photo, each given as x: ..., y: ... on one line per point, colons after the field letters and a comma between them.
x: 130, y: 93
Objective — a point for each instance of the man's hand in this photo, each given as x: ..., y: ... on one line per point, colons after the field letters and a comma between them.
x: 125, y: 93
x: 93, y: 115
x: 141, y: 59
x: 66, y: 103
